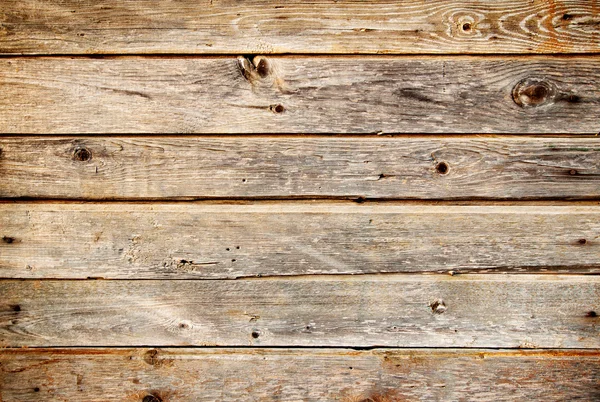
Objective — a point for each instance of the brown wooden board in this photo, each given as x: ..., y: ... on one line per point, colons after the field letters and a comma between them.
x: 320, y: 26
x: 214, y: 240
x: 307, y: 94
x: 526, y: 311
x: 197, y: 167
x: 298, y: 374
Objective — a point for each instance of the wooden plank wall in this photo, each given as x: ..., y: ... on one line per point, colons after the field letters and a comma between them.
x: 299, y: 201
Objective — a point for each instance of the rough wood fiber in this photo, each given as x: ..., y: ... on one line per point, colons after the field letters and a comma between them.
x: 298, y: 375
x: 545, y: 311
x: 200, y: 240
x: 300, y: 95
x: 101, y: 168
x: 321, y: 26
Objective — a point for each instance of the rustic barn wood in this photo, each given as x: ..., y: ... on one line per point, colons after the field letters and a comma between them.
x: 323, y: 200
x: 423, y: 94
x: 486, y: 310
x: 298, y: 375
x: 202, y: 240
x: 183, y: 168
x: 322, y: 26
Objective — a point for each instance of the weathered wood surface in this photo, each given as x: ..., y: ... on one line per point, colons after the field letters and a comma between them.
x: 300, y: 95
x: 485, y: 310
x: 322, y: 26
x: 298, y: 375
x: 101, y: 168
x: 213, y: 240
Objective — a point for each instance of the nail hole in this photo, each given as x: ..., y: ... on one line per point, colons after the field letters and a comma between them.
x: 36, y: 389
x: 243, y: 180
x: 277, y: 108
x: 183, y: 325
x: 151, y: 398
x: 233, y: 260
x: 591, y: 314
x: 442, y: 168
x: 237, y: 247
x: 466, y: 26
x: 227, y: 249
x: 8, y: 239
x: 15, y: 307
x: 582, y: 241
x: 567, y: 17
x: 255, y: 334
x: 82, y: 154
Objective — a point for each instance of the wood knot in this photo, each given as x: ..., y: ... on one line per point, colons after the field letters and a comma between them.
x: 151, y: 357
x: 254, y: 68
x: 82, y: 154
x: 534, y: 93
x: 442, y: 168
x: 279, y: 108
x: 567, y: 17
x: 262, y: 66
x: 438, y: 306
x: 8, y: 239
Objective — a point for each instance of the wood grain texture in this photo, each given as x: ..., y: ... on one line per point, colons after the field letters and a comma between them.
x: 300, y: 95
x: 201, y: 240
x: 320, y: 26
x: 298, y: 375
x: 527, y: 311
x: 151, y: 168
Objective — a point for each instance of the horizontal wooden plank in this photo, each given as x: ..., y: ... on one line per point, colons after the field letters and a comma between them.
x: 201, y: 240
x: 320, y: 26
x: 300, y: 95
x: 101, y: 168
x: 294, y: 375
x: 545, y: 311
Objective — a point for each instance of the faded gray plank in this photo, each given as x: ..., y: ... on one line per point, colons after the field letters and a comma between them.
x: 322, y: 26
x: 300, y: 95
x: 546, y: 311
x: 294, y: 375
x: 101, y: 168
x: 202, y: 240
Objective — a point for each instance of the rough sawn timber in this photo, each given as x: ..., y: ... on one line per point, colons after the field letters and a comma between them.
x: 196, y: 167
x: 485, y: 310
x: 300, y: 94
x: 320, y: 26
x: 218, y: 240
x: 298, y: 374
